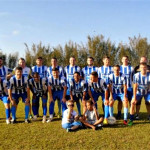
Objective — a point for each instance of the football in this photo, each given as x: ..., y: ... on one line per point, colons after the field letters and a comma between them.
x: 111, y: 120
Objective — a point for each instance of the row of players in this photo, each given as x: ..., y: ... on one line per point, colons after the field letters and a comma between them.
x: 120, y: 78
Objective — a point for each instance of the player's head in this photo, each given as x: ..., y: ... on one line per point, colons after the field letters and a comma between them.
x: 18, y: 72
x: 106, y: 60
x: 143, y: 59
x: 116, y: 69
x: 90, y: 61
x: 21, y: 62
x: 70, y: 104
x: 55, y: 73
x: 1, y: 61
x: 76, y: 76
x: 94, y: 76
x: 125, y: 60
x: 54, y: 61
x: 36, y: 76
x: 143, y: 67
x: 72, y: 61
x: 39, y: 61
x: 89, y: 105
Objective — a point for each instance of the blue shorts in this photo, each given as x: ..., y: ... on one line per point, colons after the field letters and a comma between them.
x: 130, y: 93
x: 37, y: 98
x: 69, y: 125
x: 57, y: 95
x: 146, y: 97
x: 119, y: 97
x: 5, y: 99
x: 17, y: 96
x: 96, y: 96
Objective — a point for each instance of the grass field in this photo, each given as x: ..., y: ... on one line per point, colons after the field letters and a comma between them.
x: 39, y: 136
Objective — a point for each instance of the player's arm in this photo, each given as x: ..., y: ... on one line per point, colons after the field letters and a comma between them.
x: 64, y: 94
x: 96, y: 113
x: 135, y: 86
x: 50, y: 94
x: 90, y: 94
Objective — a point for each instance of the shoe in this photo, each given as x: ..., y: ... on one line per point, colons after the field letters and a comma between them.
x: 7, y: 121
x: 49, y: 120
x: 44, y: 119
x: 30, y: 116
x: 118, y: 117
x: 99, y: 126
x: 125, y: 122
x: 148, y: 118
x: 27, y: 121
x: 59, y: 115
x: 130, y: 123
x: 137, y: 117
x: 105, y: 121
x: 34, y: 118
x: 13, y: 121
x: 68, y: 130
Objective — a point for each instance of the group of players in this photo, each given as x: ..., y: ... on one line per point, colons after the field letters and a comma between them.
x: 124, y: 83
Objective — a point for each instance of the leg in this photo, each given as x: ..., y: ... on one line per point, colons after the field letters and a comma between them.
x: 44, y: 106
x: 119, y: 109
x: 78, y: 107
x: 99, y: 121
x: 111, y: 103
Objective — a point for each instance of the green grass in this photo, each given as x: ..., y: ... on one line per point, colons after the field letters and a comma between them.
x: 37, y: 135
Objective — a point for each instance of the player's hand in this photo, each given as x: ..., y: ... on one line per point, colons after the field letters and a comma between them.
x: 106, y: 102
x: 134, y: 101
x: 13, y: 102
x: 64, y: 100
x: 27, y: 100
x: 94, y: 107
x: 51, y: 100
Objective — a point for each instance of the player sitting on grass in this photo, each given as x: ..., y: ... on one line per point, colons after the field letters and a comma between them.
x: 4, y: 98
x: 70, y: 120
x: 38, y: 87
x: 118, y: 91
x: 91, y: 118
x: 78, y: 91
x: 141, y: 82
x: 18, y: 89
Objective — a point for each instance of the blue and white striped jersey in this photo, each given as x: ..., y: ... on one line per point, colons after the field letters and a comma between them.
x: 86, y: 71
x: 117, y: 82
x: 38, y: 88
x: 42, y: 70
x: 3, y: 88
x: 100, y: 86
x: 57, y: 84
x: 69, y: 71
x: 77, y: 88
x: 18, y: 86
x: 128, y: 72
x: 104, y: 72
x: 143, y: 82
x: 4, y: 71
x: 49, y: 71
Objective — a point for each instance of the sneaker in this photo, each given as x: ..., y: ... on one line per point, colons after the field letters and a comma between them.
x: 118, y: 117
x: 34, y: 118
x: 137, y: 117
x: 13, y: 121
x: 99, y: 126
x: 27, y: 121
x: 7, y: 121
x: 30, y: 116
x: 44, y: 119
x: 105, y: 121
x: 148, y: 118
x: 125, y: 122
x: 49, y: 120
x: 68, y: 130
x: 130, y: 123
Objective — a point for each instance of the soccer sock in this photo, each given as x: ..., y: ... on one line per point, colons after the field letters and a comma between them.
x: 119, y: 113
x: 34, y: 109
x: 51, y: 108
x: 13, y: 111
x: 79, y: 109
x: 106, y: 111
x: 44, y: 109
x: 26, y: 111
x: 131, y: 117
x: 125, y: 113
x: 59, y: 106
x: 7, y: 111
x: 111, y: 111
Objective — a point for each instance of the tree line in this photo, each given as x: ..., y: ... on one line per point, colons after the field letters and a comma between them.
x: 96, y: 46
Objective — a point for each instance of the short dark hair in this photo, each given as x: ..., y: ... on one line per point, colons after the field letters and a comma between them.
x: 18, y: 68
x: 106, y: 56
x: 72, y: 57
x: 77, y: 73
x: 90, y: 102
x: 144, y: 64
x: 39, y: 57
x: 35, y: 73
x: 125, y: 56
x: 55, y: 69
x: 54, y: 58
x: 90, y: 57
x: 117, y: 66
x: 21, y: 59
x: 94, y: 73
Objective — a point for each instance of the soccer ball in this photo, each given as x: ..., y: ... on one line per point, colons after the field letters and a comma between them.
x: 111, y: 120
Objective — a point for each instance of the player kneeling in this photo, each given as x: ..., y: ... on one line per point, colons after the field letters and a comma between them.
x: 70, y: 120
x: 91, y: 118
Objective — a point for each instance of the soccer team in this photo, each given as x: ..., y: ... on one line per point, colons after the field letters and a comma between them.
x: 71, y: 84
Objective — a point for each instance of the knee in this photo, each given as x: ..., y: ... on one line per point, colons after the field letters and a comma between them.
x: 44, y: 96
x: 44, y: 104
x: 147, y: 103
